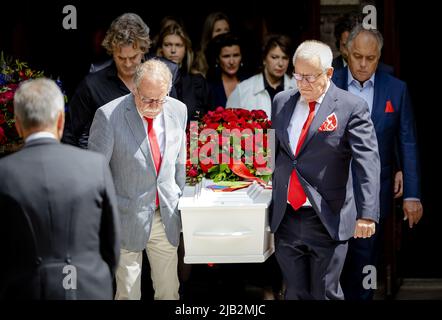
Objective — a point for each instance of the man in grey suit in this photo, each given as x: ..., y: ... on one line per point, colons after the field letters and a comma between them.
x: 142, y: 135
x: 59, y: 225
x: 319, y: 131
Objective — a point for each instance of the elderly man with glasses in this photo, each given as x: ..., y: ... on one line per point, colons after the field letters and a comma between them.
x: 142, y: 135
x: 319, y: 131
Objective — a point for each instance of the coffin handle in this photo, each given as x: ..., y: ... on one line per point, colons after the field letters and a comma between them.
x: 230, y: 234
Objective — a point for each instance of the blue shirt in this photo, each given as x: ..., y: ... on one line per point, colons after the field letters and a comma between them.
x: 366, y: 91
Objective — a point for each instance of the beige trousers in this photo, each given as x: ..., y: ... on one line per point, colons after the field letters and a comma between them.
x: 163, y: 260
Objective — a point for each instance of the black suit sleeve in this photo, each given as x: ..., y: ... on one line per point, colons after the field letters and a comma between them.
x: 80, y: 115
x: 110, y: 223
x: 202, y: 94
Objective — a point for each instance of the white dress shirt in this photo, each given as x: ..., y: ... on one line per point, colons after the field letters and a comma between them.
x: 297, y: 121
x: 40, y: 135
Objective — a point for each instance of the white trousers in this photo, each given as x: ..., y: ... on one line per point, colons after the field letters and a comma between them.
x: 163, y: 260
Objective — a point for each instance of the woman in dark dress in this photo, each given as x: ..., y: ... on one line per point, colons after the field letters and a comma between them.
x: 225, y: 67
x: 192, y: 88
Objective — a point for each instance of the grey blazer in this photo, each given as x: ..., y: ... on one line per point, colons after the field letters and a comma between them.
x: 323, y: 162
x: 117, y: 131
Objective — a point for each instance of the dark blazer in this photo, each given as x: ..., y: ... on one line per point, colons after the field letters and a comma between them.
x: 193, y: 91
x: 395, y: 131
x: 323, y: 162
x: 58, y: 211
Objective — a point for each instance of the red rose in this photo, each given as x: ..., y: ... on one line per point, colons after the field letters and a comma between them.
x: 259, y: 114
x: 2, y: 136
x: 259, y: 160
x: 243, y: 114
x: 12, y: 86
x: 232, y: 125
x: 247, y: 144
x: 207, y: 166
x: 193, y: 173
x: 6, y: 96
x: 3, y: 99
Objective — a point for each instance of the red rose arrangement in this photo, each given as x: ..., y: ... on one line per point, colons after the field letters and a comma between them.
x: 229, y: 145
x: 12, y: 72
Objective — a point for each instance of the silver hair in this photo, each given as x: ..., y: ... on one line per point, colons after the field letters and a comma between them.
x: 357, y: 29
x: 312, y: 49
x: 37, y: 103
x: 156, y: 70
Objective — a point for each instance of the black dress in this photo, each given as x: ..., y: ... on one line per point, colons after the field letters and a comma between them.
x: 193, y: 91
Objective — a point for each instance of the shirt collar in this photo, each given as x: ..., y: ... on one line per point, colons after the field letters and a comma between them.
x: 352, y: 80
x: 268, y: 86
x: 40, y: 135
x: 159, y: 116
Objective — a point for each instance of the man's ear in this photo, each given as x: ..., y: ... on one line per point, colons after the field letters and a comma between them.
x: 330, y: 72
x: 60, y: 124
x: 18, y: 126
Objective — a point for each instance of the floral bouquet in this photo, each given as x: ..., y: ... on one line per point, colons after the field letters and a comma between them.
x: 229, y: 145
x: 12, y: 72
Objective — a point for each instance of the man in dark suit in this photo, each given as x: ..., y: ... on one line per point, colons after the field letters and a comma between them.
x: 392, y: 115
x: 319, y: 131
x: 343, y: 27
x: 59, y: 223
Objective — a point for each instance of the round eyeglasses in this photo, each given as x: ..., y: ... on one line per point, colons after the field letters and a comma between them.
x: 150, y: 101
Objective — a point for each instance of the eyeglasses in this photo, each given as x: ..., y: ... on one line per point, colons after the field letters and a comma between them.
x: 150, y: 101
x: 310, y: 78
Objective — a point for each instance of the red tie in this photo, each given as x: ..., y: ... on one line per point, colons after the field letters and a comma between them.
x: 296, y: 195
x: 155, y: 148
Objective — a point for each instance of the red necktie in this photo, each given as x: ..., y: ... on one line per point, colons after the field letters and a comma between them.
x: 154, y: 148
x: 296, y: 195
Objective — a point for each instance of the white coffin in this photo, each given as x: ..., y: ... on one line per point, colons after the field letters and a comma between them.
x: 226, y: 227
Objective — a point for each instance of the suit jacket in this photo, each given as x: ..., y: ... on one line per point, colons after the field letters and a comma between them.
x: 323, y: 162
x: 118, y: 132
x: 395, y: 131
x: 57, y: 209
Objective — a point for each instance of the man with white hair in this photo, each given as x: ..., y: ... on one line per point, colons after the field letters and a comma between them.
x: 142, y: 135
x: 319, y: 131
x: 59, y: 225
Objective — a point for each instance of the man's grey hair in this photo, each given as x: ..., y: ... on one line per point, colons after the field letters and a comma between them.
x: 155, y: 70
x: 312, y: 49
x: 37, y: 103
x: 359, y: 29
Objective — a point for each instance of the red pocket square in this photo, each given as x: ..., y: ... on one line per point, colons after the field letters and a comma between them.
x: 389, y: 107
x: 330, y: 124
